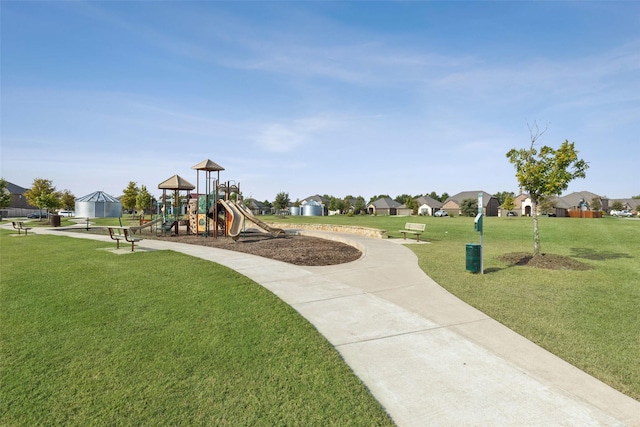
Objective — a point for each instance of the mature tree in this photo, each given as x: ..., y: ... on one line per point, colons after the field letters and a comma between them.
x: 129, y: 195
x: 143, y: 199
x: 636, y: 197
x: 281, y: 201
x: 617, y: 205
x: 502, y: 196
x: 267, y: 203
x: 469, y: 207
x: 412, y: 204
x: 508, y: 203
x: 360, y: 206
x: 43, y: 194
x: 67, y: 200
x: 545, y: 172
x: 444, y: 197
x: 5, y: 195
x: 336, y: 204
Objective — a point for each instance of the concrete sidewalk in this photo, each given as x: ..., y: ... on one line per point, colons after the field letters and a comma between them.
x: 427, y: 357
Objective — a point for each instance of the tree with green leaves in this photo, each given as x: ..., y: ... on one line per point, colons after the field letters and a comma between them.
x: 67, y: 200
x: 143, y: 199
x: 5, y: 195
x: 469, y: 207
x: 360, y: 206
x: 281, y: 201
x: 508, y: 203
x: 43, y: 195
x: 502, y: 196
x: 617, y: 205
x: 129, y: 195
x: 545, y: 172
x: 596, y: 204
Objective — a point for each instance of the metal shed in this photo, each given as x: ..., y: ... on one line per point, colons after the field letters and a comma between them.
x: 98, y: 205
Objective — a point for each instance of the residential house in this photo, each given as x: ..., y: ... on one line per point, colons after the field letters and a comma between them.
x: 523, y: 204
x: 489, y: 203
x: 19, y: 205
x: 256, y: 207
x: 428, y: 205
x: 383, y: 206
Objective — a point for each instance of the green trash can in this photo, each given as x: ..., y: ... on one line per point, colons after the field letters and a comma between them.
x: 473, y: 257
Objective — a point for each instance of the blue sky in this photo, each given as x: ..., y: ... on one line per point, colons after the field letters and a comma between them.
x: 339, y: 98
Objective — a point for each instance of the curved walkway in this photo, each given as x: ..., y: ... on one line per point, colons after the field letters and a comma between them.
x: 427, y: 357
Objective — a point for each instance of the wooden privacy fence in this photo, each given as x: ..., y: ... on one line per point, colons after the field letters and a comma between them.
x: 578, y: 213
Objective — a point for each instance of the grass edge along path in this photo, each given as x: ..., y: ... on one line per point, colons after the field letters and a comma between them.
x: 159, y: 338
x: 590, y: 318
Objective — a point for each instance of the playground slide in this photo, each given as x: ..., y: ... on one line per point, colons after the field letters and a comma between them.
x: 148, y: 224
x: 235, y: 227
x: 254, y: 219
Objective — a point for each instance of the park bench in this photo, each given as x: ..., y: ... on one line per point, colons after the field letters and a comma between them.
x: 19, y: 225
x: 413, y: 228
x: 121, y: 233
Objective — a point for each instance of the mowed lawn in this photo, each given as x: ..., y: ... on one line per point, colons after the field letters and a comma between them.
x: 88, y: 337
x: 589, y: 318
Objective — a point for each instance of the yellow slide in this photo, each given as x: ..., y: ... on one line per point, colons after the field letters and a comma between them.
x: 234, y: 227
x: 246, y: 212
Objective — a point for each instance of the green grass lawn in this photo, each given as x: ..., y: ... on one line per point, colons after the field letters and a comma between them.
x: 88, y: 337
x: 589, y: 318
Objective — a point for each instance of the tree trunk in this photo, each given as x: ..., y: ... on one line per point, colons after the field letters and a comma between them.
x: 536, y: 230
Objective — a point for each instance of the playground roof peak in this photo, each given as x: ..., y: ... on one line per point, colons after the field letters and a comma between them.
x: 176, y: 182
x: 207, y: 165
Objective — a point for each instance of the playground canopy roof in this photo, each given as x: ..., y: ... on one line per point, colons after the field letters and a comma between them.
x: 207, y: 165
x: 176, y: 182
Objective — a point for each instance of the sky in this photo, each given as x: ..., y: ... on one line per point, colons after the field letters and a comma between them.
x: 340, y: 98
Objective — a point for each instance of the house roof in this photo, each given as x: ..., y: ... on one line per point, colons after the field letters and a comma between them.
x: 176, y: 182
x: 458, y: 198
x: 385, y: 203
x: 429, y: 201
x: 574, y: 199
x: 15, y: 189
x: 98, y: 196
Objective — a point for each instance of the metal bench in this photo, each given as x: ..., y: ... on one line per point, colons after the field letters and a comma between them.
x: 122, y: 233
x: 413, y: 228
x: 19, y: 225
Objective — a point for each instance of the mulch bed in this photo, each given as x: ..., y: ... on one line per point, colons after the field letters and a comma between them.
x: 289, y: 248
x: 547, y: 261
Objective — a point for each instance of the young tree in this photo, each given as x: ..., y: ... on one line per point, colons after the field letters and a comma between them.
x: 5, y: 195
x: 508, y: 203
x: 68, y: 200
x: 545, y: 173
x: 281, y: 201
x: 43, y: 194
x: 469, y: 207
x: 128, y: 198
x: 143, y: 199
x: 596, y: 204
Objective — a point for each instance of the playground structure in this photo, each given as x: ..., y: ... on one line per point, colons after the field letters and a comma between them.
x: 219, y: 211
